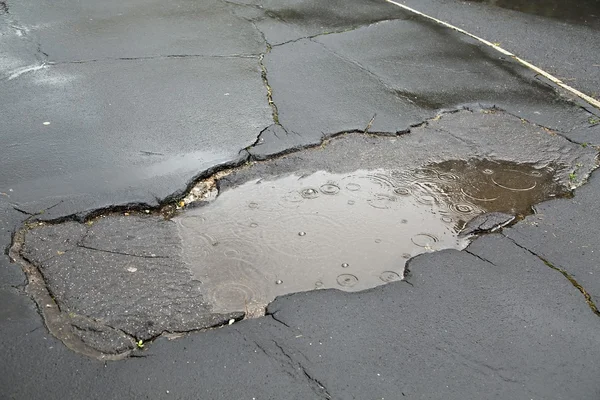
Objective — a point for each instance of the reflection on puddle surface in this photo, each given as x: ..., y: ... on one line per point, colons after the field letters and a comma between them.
x: 346, y: 231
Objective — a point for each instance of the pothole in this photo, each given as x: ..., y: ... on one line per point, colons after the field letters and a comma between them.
x: 345, y: 231
x: 284, y: 225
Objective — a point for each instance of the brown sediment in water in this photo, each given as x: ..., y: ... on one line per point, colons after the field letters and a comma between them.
x: 350, y: 231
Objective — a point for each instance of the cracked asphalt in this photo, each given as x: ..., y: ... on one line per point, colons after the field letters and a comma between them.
x: 123, y: 107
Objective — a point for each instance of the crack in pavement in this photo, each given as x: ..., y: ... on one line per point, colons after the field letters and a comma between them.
x: 275, y: 318
x: 274, y: 109
x: 24, y: 33
x: 265, y: 79
x: 118, y: 252
x: 566, y: 274
x: 169, y: 205
x: 220, y: 171
x: 57, y: 322
x: 476, y: 365
x: 478, y: 256
x: 367, y: 71
x: 155, y: 57
x: 320, y: 388
x: 285, y: 359
x: 233, y: 3
x: 34, y: 214
x: 346, y: 30
x: 289, y: 364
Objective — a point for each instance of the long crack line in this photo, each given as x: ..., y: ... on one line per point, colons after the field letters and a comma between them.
x: 274, y: 110
x: 118, y: 252
x: 265, y: 79
x: 320, y: 389
x: 155, y: 57
x: 478, y: 256
x: 367, y: 71
x: 570, y: 278
x: 346, y: 30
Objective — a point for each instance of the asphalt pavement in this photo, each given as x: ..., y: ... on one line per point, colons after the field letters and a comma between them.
x: 114, y: 112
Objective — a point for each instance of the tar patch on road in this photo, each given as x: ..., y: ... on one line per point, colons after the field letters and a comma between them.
x: 346, y: 214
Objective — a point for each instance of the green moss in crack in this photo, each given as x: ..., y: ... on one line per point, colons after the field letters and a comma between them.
x: 586, y: 295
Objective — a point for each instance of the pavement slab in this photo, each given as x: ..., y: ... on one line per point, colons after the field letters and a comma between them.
x: 130, y: 270
x: 394, y: 86
x: 102, y: 111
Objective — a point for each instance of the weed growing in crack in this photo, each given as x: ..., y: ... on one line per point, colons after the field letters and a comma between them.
x: 573, y: 175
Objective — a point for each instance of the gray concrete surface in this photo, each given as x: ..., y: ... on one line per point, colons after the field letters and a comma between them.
x: 143, y: 98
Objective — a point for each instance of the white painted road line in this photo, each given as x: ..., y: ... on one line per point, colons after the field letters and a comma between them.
x: 540, y: 71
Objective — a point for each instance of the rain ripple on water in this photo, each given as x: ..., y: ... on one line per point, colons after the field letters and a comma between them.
x: 346, y: 231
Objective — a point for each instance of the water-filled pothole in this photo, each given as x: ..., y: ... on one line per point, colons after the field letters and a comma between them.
x: 351, y: 231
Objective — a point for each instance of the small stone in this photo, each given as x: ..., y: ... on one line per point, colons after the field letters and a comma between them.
x: 301, y: 233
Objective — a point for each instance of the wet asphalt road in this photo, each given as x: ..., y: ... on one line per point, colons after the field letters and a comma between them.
x: 141, y: 98
x: 558, y: 36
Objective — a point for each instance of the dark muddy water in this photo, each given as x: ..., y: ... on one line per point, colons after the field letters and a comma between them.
x: 581, y: 11
x: 346, y: 231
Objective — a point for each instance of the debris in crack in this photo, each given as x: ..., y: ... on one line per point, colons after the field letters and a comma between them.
x: 269, y: 89
x: 370, y: 124
x: 570, y: 278
x: 487, y: 223
x: 203, y: 192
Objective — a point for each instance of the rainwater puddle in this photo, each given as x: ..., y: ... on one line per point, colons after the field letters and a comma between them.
x: 346, y: 231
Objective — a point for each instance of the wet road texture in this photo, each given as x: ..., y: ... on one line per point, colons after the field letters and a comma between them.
x: 290, y: 199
